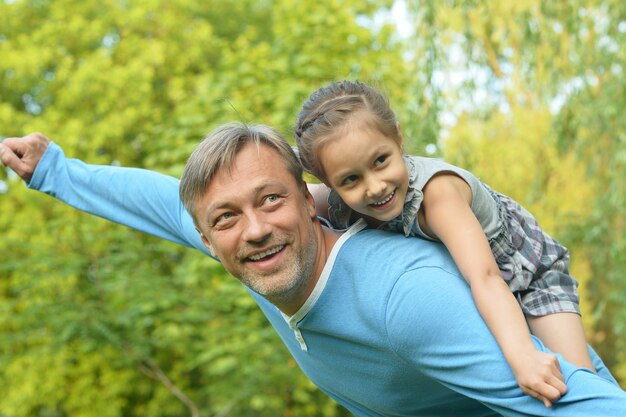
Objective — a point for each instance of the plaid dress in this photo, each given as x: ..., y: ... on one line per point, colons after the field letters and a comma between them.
x: 533, y: 264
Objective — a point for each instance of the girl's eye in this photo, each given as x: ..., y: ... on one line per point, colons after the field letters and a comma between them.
x: 349, y: 180
x: 380, y: 160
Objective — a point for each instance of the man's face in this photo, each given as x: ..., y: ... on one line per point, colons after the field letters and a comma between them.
x: 259, y: 222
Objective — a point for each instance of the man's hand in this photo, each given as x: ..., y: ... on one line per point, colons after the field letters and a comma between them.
x: 539, y: 375
x: 23, y: 154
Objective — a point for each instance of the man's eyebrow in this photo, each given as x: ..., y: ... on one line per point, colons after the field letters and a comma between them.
x: 259, y: 189
x: 216, y: 206
x: 212, y: 207
x: 267, y: 184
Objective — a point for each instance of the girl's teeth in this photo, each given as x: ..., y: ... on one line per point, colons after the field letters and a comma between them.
x: 385, y: 201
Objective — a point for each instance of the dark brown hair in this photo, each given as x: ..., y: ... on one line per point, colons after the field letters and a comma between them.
x: 329, y: 109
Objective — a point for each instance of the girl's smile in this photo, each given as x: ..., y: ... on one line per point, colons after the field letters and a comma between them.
x: 386, y: 202
x: 366, y: 169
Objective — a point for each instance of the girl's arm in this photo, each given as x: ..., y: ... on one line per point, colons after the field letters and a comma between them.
x: 447, y: 215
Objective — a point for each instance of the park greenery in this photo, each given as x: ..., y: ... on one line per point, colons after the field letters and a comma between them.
x: 100, y: 320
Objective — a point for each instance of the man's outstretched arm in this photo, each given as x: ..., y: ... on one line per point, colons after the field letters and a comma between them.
x: 141, y: 199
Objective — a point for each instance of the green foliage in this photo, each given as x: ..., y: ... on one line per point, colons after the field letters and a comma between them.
x: 545, y: 124
x: 96, y: 319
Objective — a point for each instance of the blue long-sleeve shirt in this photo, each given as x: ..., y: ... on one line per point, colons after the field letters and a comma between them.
x: 390, y: 329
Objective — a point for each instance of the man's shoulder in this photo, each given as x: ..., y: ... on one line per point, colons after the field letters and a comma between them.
x: 406, y: 278
x: 371, y: 247
x: 387, y: 241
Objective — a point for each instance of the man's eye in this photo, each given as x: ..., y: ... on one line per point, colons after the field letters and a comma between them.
x: 380, y: 160
x: 272, y: 198
x: 224, y: 217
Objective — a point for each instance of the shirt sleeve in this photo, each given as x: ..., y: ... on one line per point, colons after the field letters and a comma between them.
x: 434, y: 326
x: 141, y: 199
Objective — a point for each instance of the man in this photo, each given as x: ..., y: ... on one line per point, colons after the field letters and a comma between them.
x: 384, y: 325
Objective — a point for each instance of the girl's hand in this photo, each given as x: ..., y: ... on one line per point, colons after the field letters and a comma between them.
x: 447, y: 215
x: 539, y: 375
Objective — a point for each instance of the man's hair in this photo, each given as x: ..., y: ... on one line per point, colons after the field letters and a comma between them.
x: 218, y: 150
x: 330, y: 108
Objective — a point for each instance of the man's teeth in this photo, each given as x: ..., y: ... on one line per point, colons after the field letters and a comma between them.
x: 268, y: 252
x: 385, y: 201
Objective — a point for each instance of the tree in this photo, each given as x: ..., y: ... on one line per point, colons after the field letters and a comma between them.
x: 97, y: 319
x: 509, y: 69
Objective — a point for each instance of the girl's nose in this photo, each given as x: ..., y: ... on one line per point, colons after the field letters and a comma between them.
x: 375, y: 188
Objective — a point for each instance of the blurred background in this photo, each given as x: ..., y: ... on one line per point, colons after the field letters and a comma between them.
x: 99, y: 320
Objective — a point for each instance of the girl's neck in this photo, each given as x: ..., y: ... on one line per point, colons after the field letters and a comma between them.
x: 371, y: 221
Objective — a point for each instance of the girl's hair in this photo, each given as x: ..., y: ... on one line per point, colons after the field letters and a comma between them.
x: 330, y: 108
x: 218, y: 151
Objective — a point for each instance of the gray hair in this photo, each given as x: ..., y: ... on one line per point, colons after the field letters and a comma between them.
x: 218, y: 150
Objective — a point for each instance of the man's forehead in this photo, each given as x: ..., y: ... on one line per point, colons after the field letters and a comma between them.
x: 252, y: 170
x: 253, y: 156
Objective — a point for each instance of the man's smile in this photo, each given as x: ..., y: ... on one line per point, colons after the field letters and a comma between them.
x: 267, y: 253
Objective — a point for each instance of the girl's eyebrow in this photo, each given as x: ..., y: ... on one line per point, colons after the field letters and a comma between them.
x: 375, y: 152
x: 382, y: 147
x: 342, y: 173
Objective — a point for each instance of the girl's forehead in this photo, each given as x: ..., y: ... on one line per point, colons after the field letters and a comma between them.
x: 362, y: 119
x: 367, y: 120
x: 366, y: 124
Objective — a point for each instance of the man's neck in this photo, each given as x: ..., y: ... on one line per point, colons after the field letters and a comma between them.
x: 326, y: 239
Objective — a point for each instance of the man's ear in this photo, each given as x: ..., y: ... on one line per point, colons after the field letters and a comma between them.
x: 320, y: 194
x: 205, y: 241
x: 310, y: 203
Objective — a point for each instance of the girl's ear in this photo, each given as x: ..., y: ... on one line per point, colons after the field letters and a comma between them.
x: 400, y: 137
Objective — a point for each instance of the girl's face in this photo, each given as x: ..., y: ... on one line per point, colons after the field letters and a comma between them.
x: 366, y: 169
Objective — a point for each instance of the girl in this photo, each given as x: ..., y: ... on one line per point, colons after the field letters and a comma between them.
x: 348, y: 137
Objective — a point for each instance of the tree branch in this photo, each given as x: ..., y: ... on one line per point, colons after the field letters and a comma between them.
x: 152, y: 370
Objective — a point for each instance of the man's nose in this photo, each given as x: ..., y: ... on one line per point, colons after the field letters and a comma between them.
x: 257, y: 228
